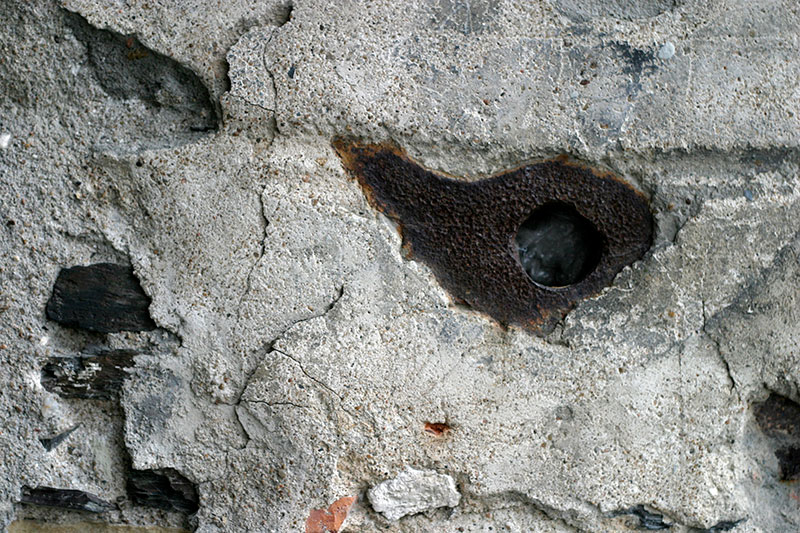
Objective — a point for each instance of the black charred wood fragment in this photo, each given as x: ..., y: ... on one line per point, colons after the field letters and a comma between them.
x: 76, y: 500
x: 164, y: 489
x: 51, y: 443
x: 468, y: 233
x: 97, y: 377
x: 724, y: 525
x: 104, y: 297
x: 647, y: 520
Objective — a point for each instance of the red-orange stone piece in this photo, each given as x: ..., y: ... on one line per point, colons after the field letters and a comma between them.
x: 465, y: 231
x: 330, y: 520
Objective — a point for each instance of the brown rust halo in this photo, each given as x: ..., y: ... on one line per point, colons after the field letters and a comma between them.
x: 465, y: 231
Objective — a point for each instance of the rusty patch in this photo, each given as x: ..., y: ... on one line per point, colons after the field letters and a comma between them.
x: 437, y: 429
x: 465, y: 231
x: 329, y: 520
x: 779, y: 418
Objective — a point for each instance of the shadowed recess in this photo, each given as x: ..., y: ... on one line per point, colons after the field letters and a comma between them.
x: 127, y: 69
x: 470, y: 233
x: 779, y: 418
x: 557, y: 246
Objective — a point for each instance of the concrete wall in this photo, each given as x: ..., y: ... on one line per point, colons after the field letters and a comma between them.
x: 309, y: 357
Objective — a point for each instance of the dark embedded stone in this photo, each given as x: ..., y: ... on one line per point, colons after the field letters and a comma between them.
x: 97, y: 376
x: 103, y: 297
x: 164, y: 489
x: 76, y: 500
x: 52, y: 442
x: 466, y: 232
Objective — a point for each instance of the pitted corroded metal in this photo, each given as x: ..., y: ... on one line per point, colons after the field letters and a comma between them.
x: 465, y: 231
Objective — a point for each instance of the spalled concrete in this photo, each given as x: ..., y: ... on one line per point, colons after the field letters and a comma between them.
x: 301, y: 351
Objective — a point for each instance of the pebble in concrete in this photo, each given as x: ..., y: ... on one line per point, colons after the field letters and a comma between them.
x: 413, y: 491
x: 666, y: 51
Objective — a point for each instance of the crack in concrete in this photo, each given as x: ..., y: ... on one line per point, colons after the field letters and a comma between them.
x: 269, y: 349
x: 270, y: 346
x: 718, y: 349
x: 328, y: 308
x: 273, y: 404
x: 249, y: 281
x: 564, y: 518
x: 315, y: 379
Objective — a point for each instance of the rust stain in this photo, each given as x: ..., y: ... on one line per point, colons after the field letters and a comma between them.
x: 437, y: 429
x: 329, y: 520
x: 465, y: 231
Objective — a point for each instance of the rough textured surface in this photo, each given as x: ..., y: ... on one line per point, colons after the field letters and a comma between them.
x: 413, y: 491
x: 30, y: 526
x: 300, y: 357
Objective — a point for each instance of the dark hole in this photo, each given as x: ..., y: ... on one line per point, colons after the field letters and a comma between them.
x: 789, y: 462
x: 557, y: 246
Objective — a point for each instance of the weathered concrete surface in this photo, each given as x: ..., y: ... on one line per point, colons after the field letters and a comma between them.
x: 29, y: 526
x: 300, y: 353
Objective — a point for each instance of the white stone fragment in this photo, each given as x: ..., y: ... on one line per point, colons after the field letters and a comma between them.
x: 666, y: 51
x: 413, y: 491
x: 5, y: 139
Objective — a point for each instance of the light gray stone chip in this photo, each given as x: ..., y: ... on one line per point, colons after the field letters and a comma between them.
x: 413, y: 491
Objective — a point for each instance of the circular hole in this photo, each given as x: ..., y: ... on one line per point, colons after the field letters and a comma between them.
x: 557, y: 246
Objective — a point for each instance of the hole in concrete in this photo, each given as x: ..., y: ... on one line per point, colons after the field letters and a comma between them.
x: 789, y: 461
x: 779, y: 418
x: 284, y: 13
x: 557, y: 246
x: 437, y: 429
x: 76, y: 500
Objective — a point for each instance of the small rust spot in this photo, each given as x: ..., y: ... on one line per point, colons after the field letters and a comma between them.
x: 329, y: 520
x: 437, y: 429
x: 466, y: 231
x: 779, y: 418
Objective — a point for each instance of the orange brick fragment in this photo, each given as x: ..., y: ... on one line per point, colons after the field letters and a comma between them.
x: 330, y: 520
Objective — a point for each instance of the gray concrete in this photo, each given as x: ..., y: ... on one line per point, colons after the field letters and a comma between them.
x: 300, y: 353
